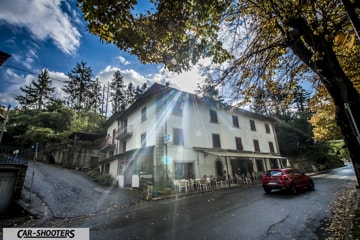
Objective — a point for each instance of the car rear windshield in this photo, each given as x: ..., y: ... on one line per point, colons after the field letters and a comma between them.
x: 273, y: 173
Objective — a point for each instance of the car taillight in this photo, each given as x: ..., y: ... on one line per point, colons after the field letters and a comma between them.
x: 265, y: 177
x: 283, y: 177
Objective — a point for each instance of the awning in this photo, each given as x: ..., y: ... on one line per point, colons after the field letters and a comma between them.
x: 244, y: 155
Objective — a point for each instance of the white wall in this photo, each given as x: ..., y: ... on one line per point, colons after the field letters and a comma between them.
x: 198, y: 130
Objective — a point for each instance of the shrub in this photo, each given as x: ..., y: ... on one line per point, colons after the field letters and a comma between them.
x: 93, y: 174
x: 104, y: 179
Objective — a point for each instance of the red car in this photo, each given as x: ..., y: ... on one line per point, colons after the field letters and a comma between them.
x: 290, y: 179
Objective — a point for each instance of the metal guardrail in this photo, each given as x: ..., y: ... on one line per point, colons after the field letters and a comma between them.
x: 11, y: 155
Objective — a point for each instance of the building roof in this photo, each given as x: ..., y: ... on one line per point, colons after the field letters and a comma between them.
x: 157, y: 88
x: 3, y: 57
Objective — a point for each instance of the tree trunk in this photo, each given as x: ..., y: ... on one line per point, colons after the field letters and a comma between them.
x: 354, y: 18
x: 339, y: 86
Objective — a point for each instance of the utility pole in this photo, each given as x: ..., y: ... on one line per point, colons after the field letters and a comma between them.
x: 4, y: 123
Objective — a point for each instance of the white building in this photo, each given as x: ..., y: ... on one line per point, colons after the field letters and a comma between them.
x: 170, y: 134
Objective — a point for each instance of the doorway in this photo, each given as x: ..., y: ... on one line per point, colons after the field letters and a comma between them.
x: 219, y: 168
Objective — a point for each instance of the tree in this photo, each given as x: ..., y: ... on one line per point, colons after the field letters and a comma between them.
x: 80, y: 87
x: 140, y: 90
x: 38, y: 93
x: 2, y: 112
x: 117, y: 88
x: 129, y: 95
x: 95, y: 101
x: 323, y: 117
x: 267, y: 41
x: 209, y: 91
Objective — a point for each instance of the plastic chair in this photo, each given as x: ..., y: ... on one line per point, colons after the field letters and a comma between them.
x: 183, y: 185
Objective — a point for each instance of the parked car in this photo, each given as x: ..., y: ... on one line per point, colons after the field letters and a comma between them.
x: 290, y: 179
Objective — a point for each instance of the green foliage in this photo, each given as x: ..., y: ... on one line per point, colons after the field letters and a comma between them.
x: 338, y: 149
x: 177, y: 34
x: 93, y: 174
x: 294, y: 133
x: 27, y: 126
x: 319, y: 152
x: 80, y: 88
x: 102, y: 179
x: 87, y: 122
x: 117, y: 87
x: 37, y: 134
x: 2, y: 112
x: 38, y: 94
x: 271, y: 46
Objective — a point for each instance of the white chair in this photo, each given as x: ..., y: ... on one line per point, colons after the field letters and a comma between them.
x: 176, y: 183
x: 238, y: 178
x: 218, y: 182
x: 191, y: 184
x: 246, y: 179
x: 208, y: 183
x: 183, y: 185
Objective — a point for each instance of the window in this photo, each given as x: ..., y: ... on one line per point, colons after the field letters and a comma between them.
x: 216, y: 141
x: 178, y: 136
x: 256, y: 145
x: 267, y: 128
x: 184, y: 170
x: 252, y: 125
x: 107, y: 168
x: 213, y: 116
x: 113, y: 136
x: 271, y: 146
x: 143, y: 114
x: 235, y: 121
x: 143, y: 140
x: 124, y: 125
x: 239, y: 145
x: 124, y: 147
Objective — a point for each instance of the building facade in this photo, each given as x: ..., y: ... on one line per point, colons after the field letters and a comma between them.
x: 169, y: 134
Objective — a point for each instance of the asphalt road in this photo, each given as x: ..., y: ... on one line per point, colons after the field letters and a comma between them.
x: 239, y: 213
x: 64, y: 193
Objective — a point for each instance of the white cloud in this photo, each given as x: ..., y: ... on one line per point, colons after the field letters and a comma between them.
x: 16, y: 81
x: 58, y: 79
x: 186, y: 81
x: 7, y: 96
x: 129, y: 75
x: 45, y: 20
x: 123, y: 60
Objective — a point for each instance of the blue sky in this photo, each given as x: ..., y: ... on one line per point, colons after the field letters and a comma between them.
x: 51, y: 34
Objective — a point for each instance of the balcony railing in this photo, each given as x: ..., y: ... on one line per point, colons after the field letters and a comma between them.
x: 124, y: 132
x: 107, y: 144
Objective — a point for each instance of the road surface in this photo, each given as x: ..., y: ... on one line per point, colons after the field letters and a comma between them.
x: 238, y: 213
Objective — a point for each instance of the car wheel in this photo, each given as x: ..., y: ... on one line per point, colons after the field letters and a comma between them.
x: 311, y: 185
x: 292, y: 188
x: 267, y: 190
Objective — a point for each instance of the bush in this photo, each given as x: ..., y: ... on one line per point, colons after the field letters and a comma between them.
x: 104, y: 179
x: 93, y: 174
